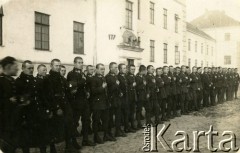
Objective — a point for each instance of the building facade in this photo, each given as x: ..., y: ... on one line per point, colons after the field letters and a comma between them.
x: 226, y: 31
x: 127, y: 31
x: 201, y: 48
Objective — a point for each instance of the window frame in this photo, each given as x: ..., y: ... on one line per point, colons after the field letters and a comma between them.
x: 165, y: 18
x: 42, y: 25
x: 79, y: 32
x: 129, y: 15
x: 227, y: 60
x: 1, y: 29
x: 152, y: 12
x: 189, y: 44
x: 165, y: 52
x: 152, y: 50
x: 176, y: 23
x: 177, y: 55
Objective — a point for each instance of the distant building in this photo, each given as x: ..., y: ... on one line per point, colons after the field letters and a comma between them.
x: 127, y: 31
x: 201, y: 48
x: 226, y: 31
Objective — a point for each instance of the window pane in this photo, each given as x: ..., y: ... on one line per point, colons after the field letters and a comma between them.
x: 45, y: 19
x: 0, y: 30
x: 78, y: 27
x: 45, y: 45
x: 38, y: 18
x: 38, y: 44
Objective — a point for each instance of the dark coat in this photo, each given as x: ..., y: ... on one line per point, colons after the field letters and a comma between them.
x: 206, y: 81
x: 141, y: 88
x: 124, y: 88
x: 99, y: 94
x: 151, y: 86
x: 194, y: 81
x: 114, y: 90
x: 237, y: 79
x: 173, y: 83
x: 167, y: 84
x: 131, y: 90
x: 160, y: 86
x: 183, y: 80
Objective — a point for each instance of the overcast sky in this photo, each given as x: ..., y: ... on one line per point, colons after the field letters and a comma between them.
x: 196, y: 8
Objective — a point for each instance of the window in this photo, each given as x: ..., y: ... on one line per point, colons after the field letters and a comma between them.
x: 165, y: 53
x: 227, y: 60
x: 1, y: 23
x: 227, y: 37
x: 165, y: 18
x: 129, y: 13
x: 152, y: 48
x: 207, y: 49
x: 189, y: 44
x: 196, y: 46
x: 151, y: 12
x: 195, y: 62
x: 176, y: 23
x: 189, y: 62
x: 177, y: 55
x: 202, y: 48
x: 201, y: 63
x: 41, y: 31
x: 78, y: 38
x: 139, y: 9
x: 130, y: 62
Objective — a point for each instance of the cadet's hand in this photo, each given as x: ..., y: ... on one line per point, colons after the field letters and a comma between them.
x: 121, y: 94
x: 134, y: 84
x: 50, y: 115
x: 157, y: 90
x: 88, y: 95
x: 144, y: 82
x: 104, y: 85
x: 25, y: 103
x: 153, y: 80
x: 74, y: 91
x: 174, y: 78
x: 117, y: 82
x: 13, y: 99
x: 190, y: 79
x: 180, y: 80
x: 83, y: 77
x: 59, y: 112
x: 199, y: 89
x: 148, y: 95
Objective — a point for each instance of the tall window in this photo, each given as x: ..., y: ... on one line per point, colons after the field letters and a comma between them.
x: 177, y: 55
x: 202, y: 48
x: 189, y: 44
x: 227, y: 36
x: 195, y: 62
x: 165, y: 18
x: 196, y: 46
x: 152, y: 49
x: 139, y: 9
x: 189, y: 62
x: 176, y: 23
x: 129, y: 13
x: 165, y: 53
x: 151, y: 12
x: 227, y: 60
x: 130, y: 61
x: 41, y: 31
x: 1, y: 29
x: 78, y: 38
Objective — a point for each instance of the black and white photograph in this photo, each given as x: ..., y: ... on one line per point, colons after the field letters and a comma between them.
x: 119, y: 76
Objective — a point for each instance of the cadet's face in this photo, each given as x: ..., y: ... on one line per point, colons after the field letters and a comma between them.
x: 78, y: 64
x: 132, y: 70
x: 114, y: 68
x: 165, y: 70
x: 101, y: 70
x: 209, y: 70
x: 12, y: 69
x: 124, y: 69
x: 91, y: 70
x: 205, y: 70
x: 171, y: 69
x: 199, y: 70
x: 178, y: 71
x: 194, y: 69
x: 56, y: 66
x: 159, y: 72
x: 28, y: 69
x: 63, y: 71
x: 42, y: 71
x: 236, y: 70
x: 183, y: 69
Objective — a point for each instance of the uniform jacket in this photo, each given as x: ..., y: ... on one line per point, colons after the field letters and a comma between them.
x: 206, y: 81
x: 132, y: 95
x: 167, y: 84
x: 183, y: 80
x: 99, y: 94
x: 194, y: 81
x: 123, y: 87
x: 141, y: 88
x: 151, y: 86
x: 173, y: 83
x: 160, y: 85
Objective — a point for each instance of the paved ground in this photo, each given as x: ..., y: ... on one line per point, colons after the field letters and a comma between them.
x: 223, y: 117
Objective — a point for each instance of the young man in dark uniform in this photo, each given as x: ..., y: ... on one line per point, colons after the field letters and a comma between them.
x: 141, y: 93
x: 8, y: 105
x: 236, y: 83
x: 206, y: 87
x: 100, y: 105
x: 132, y: 95
x: 200, y: 87
x: 114, y: 96
x: 173, y: 105
x: 152, y: 106
x: 183, y: 80
x: 194, y: 80
x: 80, y: 105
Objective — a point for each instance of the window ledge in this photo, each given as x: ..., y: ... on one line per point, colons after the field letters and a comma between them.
x: 43, y: 50
x: 79, y: 54
x: 2, y: 46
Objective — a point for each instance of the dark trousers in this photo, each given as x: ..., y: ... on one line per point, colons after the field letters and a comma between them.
x: 213, y: 96
x: 152, y: 107
x: 206, y: 95
x: 132, y: 111
x: 195, y: 105
x: 100, y: 115
x: 84, y: 112
x: 199, y: 98
x: 139, y: 111
x: 162, y: 104
x: 184, y: 103
x: 174, y: 104
x: 169, y: 105
x: 125, y: 115
x: 236, y: 89
x: 115, y: 111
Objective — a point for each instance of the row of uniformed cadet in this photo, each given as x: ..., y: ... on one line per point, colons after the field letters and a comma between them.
x: 46, y: 109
